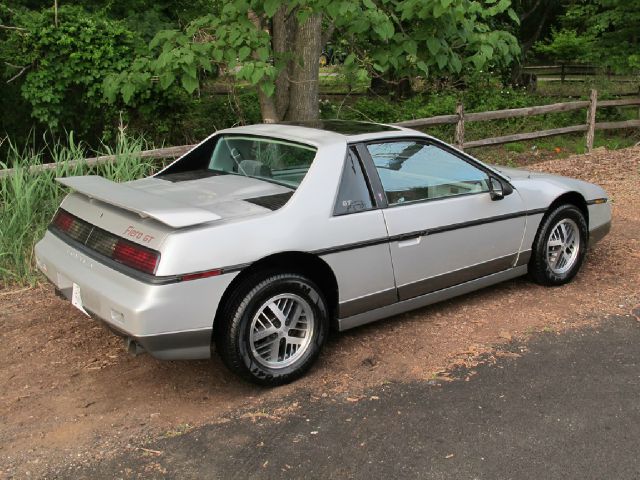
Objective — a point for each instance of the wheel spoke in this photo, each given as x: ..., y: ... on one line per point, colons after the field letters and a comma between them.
x: 274, y: 351
x: 261, y: 334
x: 558, y: 259
x: 275, y: 309
x: 563, y: 232
x: 555, y: 242
x: 295, y: 316
x: 295, y: 340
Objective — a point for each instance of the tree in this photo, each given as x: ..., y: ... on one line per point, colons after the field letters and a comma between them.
x: 60, y: 68
x: 604, y: 31
x: 566, y: 46
x: 53, y: 66
x: 535, y: 18
x: 275, y: 45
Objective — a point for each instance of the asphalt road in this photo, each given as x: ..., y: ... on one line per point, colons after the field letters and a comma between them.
x: 568, y: 407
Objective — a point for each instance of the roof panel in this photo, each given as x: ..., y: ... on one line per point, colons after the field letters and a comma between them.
x: 344, y: 127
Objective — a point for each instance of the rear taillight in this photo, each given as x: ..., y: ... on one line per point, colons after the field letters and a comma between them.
x: 106, y: 243
x: 136, y: 256
x: 63, y: 221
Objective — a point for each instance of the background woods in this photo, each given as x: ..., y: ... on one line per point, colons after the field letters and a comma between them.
x: 174, y: 71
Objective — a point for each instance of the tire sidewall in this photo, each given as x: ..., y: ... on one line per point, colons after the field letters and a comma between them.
x: 270, y: 287
x: 542, y: 270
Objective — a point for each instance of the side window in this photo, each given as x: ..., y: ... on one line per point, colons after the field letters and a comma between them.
x: 411, y: 171
x: 354, y: 194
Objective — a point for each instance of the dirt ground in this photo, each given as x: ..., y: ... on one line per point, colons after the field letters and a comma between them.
x: 70, y: 392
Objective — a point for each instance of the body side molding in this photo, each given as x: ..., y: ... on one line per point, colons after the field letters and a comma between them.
x: 428, y: 299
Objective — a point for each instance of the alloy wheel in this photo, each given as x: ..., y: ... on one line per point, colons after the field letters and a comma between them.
x: 563, y: 246
x: 281, y: 330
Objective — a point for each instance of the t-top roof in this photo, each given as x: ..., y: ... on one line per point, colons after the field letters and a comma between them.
x: 344, y: 127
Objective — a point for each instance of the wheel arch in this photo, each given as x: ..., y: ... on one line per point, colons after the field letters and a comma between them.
x: 304, y: 263
x: 572, y: 198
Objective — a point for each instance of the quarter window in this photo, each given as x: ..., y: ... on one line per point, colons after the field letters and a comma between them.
x: 412, y: 171
x: 354, y: 194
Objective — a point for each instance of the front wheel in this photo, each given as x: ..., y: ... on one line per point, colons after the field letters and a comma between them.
x: 273, y: 329
x: 560, y: 246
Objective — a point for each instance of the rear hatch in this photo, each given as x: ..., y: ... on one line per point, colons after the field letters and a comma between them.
x: 145, y: 212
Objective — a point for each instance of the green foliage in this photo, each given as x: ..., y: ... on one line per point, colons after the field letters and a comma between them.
x: 171, y: 59
x: 66, y: 64
x: 28, y: 199
x: 566, y: 46
x: 412, y: 37
x: 610, y: 30
x: 183, y: 58
x: 441, y: 37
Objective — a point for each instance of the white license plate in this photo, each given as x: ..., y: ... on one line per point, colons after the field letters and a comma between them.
x: 76, y: 299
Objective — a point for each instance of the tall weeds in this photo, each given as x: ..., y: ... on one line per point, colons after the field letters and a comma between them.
x: 28, y: 199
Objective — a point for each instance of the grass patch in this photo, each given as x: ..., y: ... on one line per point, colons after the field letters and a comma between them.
x: 28, y: 199
x: 542, y: 149
x: 582, y: 87
x: 516, y: 147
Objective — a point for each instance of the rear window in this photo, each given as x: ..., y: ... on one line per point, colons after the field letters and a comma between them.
x: 273, y: 160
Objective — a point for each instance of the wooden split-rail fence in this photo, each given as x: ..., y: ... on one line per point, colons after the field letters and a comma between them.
x: 459, y: 118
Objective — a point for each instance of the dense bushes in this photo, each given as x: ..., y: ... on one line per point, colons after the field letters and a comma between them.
x: 67, y: 61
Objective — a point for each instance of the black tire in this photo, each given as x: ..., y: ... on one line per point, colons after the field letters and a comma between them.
x: 540, y: 269
x: 233, y: 330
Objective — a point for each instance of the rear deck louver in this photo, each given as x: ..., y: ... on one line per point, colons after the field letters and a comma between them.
x: 272, y: 202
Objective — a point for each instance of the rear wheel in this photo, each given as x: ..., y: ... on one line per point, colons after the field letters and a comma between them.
x: 273, y: 328
x: 560, y: 246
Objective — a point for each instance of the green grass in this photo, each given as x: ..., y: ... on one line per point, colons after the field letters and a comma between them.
x: 28, y: 199
x: 541, y: 149
x: 572, y: 88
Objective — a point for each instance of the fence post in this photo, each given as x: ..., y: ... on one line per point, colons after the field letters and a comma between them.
x: 459, y: 135
x: 562, y: 73
x: 591, y: 119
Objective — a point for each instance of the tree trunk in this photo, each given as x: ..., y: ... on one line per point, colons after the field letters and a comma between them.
x: 283, y: 30
x: 299, y: 45
x: 267, y: 105
x: 303, y: 89
x: 539, y: 19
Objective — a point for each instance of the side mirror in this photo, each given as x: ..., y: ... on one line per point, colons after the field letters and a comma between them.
x: 498, y: 189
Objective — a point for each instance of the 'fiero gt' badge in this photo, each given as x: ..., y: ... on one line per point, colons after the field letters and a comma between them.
x: 137, y: 234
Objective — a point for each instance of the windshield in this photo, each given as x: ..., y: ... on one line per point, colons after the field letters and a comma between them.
x: 273, y: 160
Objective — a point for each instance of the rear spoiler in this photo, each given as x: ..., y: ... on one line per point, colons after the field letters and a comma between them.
x: 164, y: 210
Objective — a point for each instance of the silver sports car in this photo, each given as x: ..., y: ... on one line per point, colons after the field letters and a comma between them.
x: 261, y: 238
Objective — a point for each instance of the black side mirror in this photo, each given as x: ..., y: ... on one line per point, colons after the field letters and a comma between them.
x: 498, y: 189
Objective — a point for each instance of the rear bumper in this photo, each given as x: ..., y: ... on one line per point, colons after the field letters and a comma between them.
x: 171, y: 322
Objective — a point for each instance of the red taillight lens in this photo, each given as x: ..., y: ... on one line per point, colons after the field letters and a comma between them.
x: 135, y: 256
x: 63, y: 221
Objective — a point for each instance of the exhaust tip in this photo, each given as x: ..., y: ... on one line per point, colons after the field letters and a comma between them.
x: 133, y: 347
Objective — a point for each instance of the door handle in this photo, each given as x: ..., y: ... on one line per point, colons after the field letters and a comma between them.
x: 410, y: 242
